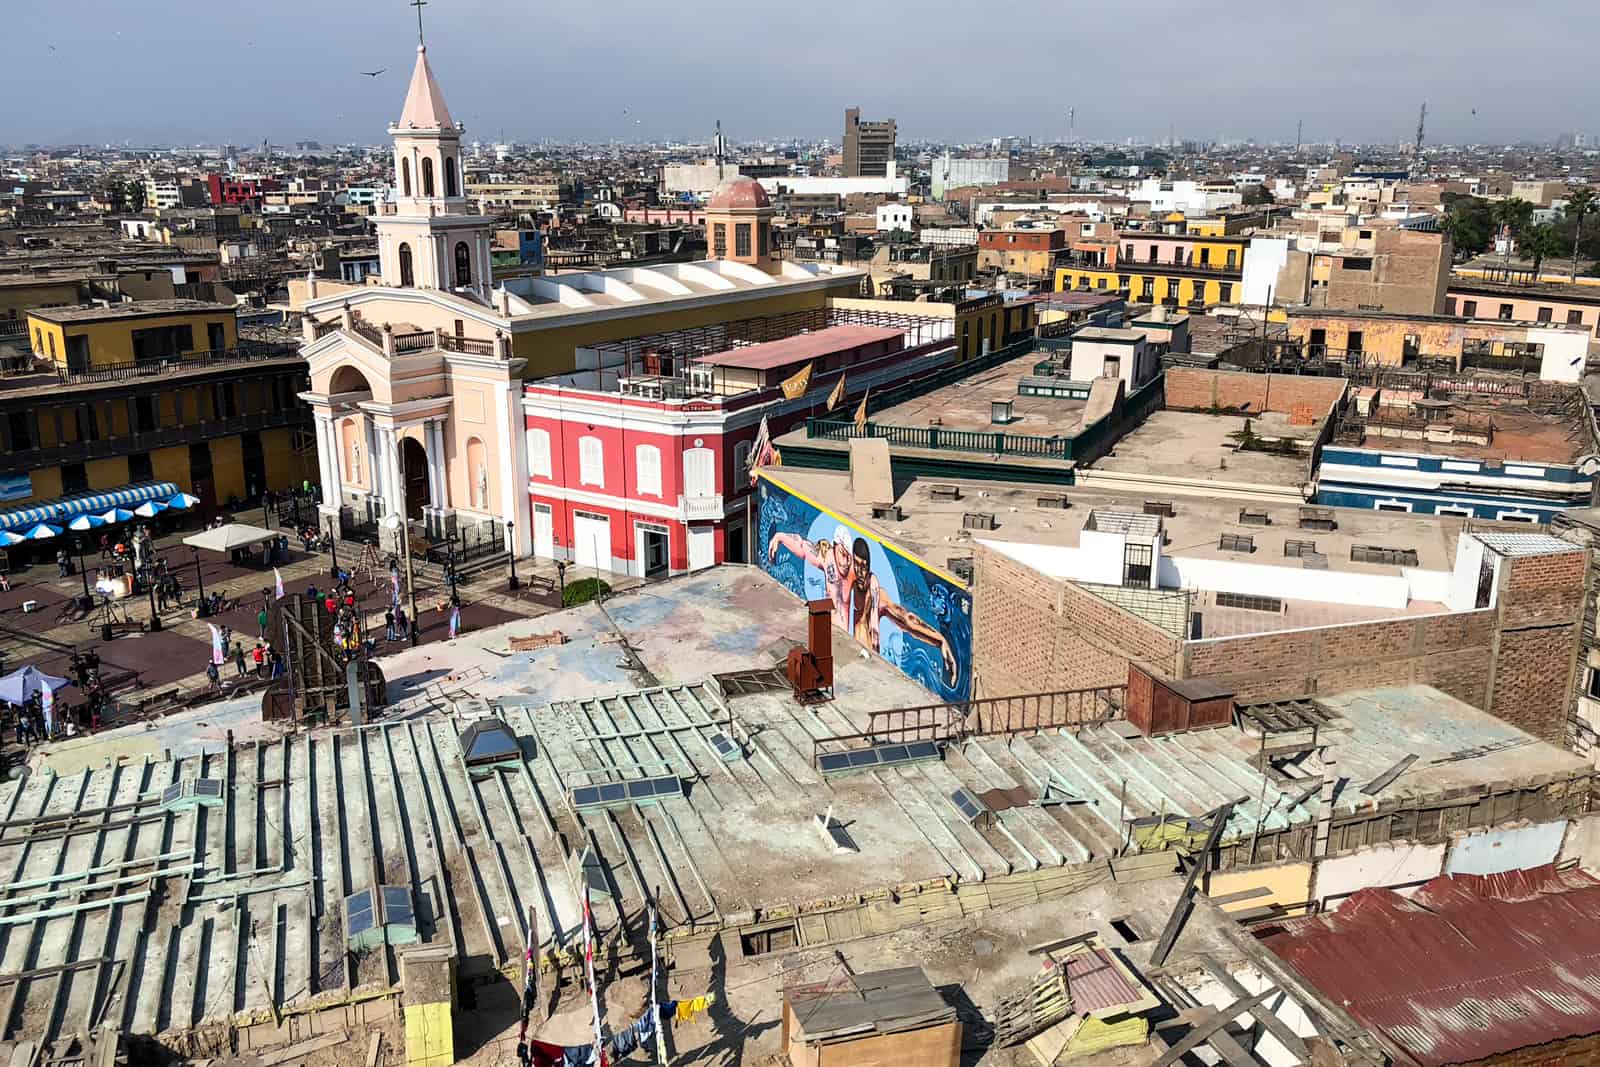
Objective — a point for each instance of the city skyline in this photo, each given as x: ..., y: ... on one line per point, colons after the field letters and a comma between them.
x: 635, y: 75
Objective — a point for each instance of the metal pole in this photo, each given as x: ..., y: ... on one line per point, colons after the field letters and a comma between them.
x: 405, y: 542
x: 150, y: 587
x: 511, y: 535
x: 200, y: 581
x: 655, y: 1009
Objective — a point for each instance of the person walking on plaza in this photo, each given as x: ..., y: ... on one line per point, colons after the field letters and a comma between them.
x: 261, y: 621
x: 238, y: 658
x: 259, y: 655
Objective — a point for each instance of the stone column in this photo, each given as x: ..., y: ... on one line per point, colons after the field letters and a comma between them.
x: 374, y: 461
x: 394, y: 496
x: 438, y: 481
x: 328, y: 462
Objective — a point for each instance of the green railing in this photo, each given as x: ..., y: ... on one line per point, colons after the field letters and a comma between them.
x: 1087, y: 442
x: 936, y: 438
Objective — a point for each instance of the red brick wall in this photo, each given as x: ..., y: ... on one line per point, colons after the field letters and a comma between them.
x: 1190, y: 389
x: 1449, y: 652
x: 1035, y: 634
x: 1541, y: 614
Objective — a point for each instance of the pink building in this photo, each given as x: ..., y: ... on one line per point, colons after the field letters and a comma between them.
x: 665, y: 216
x: 637, y: 462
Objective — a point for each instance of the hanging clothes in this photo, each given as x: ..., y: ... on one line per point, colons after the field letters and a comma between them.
x: 688, y: 1009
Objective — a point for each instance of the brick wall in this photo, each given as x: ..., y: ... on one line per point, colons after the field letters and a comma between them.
x: 1541, y: 602
x: 1036, y: 634
x: 1190, y: 389
x: 1450, y: 652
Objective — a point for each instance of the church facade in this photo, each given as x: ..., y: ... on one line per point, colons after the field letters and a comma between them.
x: 417, y: 376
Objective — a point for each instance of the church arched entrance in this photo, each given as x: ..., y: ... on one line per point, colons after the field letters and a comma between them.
x: 416, y: 477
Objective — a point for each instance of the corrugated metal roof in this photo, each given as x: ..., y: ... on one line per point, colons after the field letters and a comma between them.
x: 1098, y: 983
x: 1471, y: 966
x: 770, y: 355
x: 1520, y: 544
x: 883, y: 1002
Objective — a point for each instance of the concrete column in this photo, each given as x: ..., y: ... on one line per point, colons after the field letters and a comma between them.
x: 374, y: 467
x: 437, y: 461
x: 394, y: 488
x: 328, y: 461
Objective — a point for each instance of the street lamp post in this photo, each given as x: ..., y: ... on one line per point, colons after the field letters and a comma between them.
x: 77, y: 543
x: 511, y: 535
x: 333, y: 543
x: 150, y: 587
x: 561, y: 575
x: 200, y: 581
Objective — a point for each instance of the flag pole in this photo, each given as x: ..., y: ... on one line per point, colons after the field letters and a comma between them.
x: 655, y: 1007
x: 588, y: 959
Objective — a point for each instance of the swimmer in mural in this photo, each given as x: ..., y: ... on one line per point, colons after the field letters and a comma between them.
x: 833, y: 559
x: 870, y: 605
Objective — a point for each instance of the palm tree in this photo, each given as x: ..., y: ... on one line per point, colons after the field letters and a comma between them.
x: 1512, y: 216
x: 1579, y: 204
x: 1539, y: 244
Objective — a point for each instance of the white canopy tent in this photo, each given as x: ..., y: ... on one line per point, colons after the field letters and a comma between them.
x: 227, y: 538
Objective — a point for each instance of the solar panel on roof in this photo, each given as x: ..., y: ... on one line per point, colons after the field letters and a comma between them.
x: 725, y: 746
x: 970, y: 807
x: 586, y: 796
x: 360, y: 923
x: 832, y: 762
x: 641, y: 790
x: 889, y: 755
x: 668, y: 787
x: 208, y: 787
x: 171, y: 793
x: 395, y: 896
x: 610, y: 794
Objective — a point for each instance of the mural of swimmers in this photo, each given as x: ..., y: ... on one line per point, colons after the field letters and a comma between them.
x: 890, y: 603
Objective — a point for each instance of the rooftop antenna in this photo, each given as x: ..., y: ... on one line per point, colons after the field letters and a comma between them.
x: 419, y: 5
x: 1299, y: 131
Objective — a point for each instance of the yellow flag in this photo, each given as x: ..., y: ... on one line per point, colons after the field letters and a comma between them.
x: 837, y: 395
x: 861, y: 412
x: 795, y: 388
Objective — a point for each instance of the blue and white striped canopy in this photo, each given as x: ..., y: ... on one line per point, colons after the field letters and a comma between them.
x: 70, y: 507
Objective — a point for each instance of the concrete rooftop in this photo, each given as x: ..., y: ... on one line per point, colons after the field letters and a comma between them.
x: 964, y: 405
x: 201, y: 914
x: 1195, y: 446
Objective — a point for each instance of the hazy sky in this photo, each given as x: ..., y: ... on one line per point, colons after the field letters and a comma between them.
x: 179, y: 72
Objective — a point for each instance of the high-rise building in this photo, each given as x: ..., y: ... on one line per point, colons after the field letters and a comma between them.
x: 868, y: 146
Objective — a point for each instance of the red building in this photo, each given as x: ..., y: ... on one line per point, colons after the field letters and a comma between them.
x: 229, y: 191
x: 637, y: 462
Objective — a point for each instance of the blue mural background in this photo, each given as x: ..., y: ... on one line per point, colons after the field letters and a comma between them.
x: 939, y: 603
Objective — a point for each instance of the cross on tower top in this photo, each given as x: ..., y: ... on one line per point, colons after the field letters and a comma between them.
x: 419, y: 5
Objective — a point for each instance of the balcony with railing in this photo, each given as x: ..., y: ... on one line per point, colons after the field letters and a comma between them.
x: 702, y: 507
x: 111, y: 447
x: 125, y: 370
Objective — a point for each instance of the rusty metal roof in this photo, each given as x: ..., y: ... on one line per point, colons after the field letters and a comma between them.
x: 1100, y: 985
x: 1470, y: 967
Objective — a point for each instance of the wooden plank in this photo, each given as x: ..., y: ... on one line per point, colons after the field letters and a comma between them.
x: 1268, y: 1018
x: 1202, y: 1031
x: 375, y: 1049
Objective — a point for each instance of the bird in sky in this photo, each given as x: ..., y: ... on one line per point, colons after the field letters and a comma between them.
x: 374, y: 73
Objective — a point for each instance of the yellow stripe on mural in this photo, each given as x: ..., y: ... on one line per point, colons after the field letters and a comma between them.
x: 888, y: 546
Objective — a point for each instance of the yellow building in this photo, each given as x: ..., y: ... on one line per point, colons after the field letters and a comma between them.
x: 79, y: 339
x: 1153, y: 283
x: 136, y: 393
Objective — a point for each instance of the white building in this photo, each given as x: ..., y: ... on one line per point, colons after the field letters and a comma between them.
x: 840, y: 187
x: 895, y: 217
x: 1183, y: 196
x: 951, y: 173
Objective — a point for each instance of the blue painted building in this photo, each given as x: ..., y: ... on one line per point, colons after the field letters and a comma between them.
x: 1393, y: 479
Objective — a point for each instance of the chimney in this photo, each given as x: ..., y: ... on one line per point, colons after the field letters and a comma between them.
x: 347, y: 318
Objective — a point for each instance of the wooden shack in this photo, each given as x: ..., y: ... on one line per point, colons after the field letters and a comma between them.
x: 877, y: 1019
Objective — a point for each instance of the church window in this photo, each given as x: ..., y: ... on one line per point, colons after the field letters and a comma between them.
x: 451, y: 187
x: 427, y: 177
x: 719, y: 243
x: 463, y: 264
x: 741, y: 240
x: 407, y: 279
x: 405, y: 177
